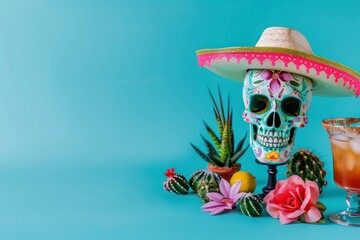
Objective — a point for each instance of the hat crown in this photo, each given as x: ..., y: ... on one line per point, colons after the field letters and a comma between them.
x: 284, y: 38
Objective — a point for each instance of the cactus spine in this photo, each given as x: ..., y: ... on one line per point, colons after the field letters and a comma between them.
x: 175, y: 183
x: 250, y: 205
x: 206, y: 187
x: 308, y: 166
x: 202, y: 175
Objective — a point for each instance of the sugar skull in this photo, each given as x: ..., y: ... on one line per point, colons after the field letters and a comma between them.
x: 276, y: 103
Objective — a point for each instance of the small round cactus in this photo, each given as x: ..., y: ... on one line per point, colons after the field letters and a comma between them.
x: 206, y: 187
x: 250, y: 205
x: 203, y: 175
x: 308, y: 166
x: 175, y: 183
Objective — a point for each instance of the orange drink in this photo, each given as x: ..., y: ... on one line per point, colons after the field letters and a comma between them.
x: 344, y: 134
x: 346, y: 161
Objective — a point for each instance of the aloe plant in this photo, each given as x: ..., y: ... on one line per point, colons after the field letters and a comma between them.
x: 222, y: 151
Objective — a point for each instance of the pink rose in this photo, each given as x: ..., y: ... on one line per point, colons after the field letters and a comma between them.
x: 293, y: 198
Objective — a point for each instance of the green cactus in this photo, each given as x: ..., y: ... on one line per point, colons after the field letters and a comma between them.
x: 175, y: 183
x: 222, y: 153
x: 203, y: 175
x: 206, y: 187
x: 308, y: 166
x: 250, y: 205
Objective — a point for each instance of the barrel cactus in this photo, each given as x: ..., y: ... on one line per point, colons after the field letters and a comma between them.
x: 308, y: 166
x: 203, y: 175
x: 250, y: 205
x: 175, y: 183
x: 206, y: 187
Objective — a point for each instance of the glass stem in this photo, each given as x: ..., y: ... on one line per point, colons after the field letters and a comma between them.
x: 353, y: 203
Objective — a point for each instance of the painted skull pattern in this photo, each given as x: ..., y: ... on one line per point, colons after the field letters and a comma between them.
x: 276, y: 103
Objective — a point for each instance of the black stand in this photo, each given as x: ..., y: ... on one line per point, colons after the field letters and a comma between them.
x: 271, y: 183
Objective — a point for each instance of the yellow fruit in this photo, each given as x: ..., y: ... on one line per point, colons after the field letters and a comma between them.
x: 248, y: 182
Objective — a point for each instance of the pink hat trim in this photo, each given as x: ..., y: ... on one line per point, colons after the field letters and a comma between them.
x: 209, y: 58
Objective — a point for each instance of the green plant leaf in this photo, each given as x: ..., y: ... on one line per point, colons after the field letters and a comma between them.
x: 228, y: 162
x: 320, y: 206
x: 223, y: 120
x: 220, y: 126
x: 224, y: 150
x: 201, y: 154
x: 219, y: 121
x: 294, y: 83
x: 228, y: 109
x: 213, y: 136
x: 302, y: 220
x: 209, y: 146
x: 240, y: 144
x: 231, y: 138
x: 258, y: 81
x: 232, y: 142
x: 216, y: 161
x: 216, y: 109
x: 238, y: 155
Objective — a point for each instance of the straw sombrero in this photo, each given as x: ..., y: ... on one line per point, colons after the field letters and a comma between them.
x: 283, y: 49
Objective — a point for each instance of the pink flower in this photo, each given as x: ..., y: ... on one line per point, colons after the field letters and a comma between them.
x: 293, y: 198
x: 224, y: 201
x: 275, y: 77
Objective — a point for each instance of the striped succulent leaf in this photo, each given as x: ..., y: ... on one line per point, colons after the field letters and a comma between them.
x: 213, y: 136
x: 224, y: 150
x: 222, y: 154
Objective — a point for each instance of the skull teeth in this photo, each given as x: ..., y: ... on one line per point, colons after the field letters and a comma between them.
x: 272, y: 142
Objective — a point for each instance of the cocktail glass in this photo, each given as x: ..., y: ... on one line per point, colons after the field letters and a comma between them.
x: 344, y: 134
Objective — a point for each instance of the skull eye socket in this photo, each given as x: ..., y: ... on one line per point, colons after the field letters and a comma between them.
x: 291, y: 106
x: 259, y: 104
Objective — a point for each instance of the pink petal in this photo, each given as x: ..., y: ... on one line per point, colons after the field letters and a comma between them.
x: 225, y: 188
x: 269, y: 197
x: 238, y: 196
x: 275, y: 206
x: 285, y: 76
x: 273, y: 211
x: 217, y: 210
x: 266, y: 74
x: 235, y: 188
x: 286, y: 187
x: 300, y: 192
x: 281, y: 198
x: 228, y: 207
x: 275, y: 85
x: 296, y: 179
x: 280, y: 207
x: 312, y: 215
x: 295, y: 214
x: 295, y: 194
x: 215, y: 196
x: 285, y: 220
x: 311, y: 194
x: 211, y: 205
x: 294, y: 184
x: 280, y: 187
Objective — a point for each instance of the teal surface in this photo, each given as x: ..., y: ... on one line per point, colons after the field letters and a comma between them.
x: 99, y: 98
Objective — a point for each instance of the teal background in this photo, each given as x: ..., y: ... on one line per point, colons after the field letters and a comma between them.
x: 99, y: 98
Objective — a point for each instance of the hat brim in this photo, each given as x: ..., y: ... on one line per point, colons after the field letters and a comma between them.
x: 330, y: 78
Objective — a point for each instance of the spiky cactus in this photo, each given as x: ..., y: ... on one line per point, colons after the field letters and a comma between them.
x: 203, y: 175
x: 308, y: 166
x: 223, y: 153
x: 250, y: 205
x: 206, y: 187
x: 175, y: 183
